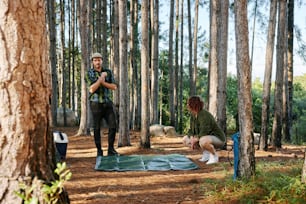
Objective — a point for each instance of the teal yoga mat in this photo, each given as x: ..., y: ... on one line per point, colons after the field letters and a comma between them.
x: 144, y: 163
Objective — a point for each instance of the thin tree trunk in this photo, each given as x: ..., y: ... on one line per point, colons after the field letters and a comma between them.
x: 304, y: 169
x: 253, y: 34
x: 279, y: 79
x: 222, y: 69
x: 170, y: 66
x: 53, y: 60
x: 181, y: 69
x: 115, y: 49
x: 63, y: 64
x: 124, y: 137
x: 265, y: 114
x: 73, y: 82
x: 145, y: 118
x: 154, y: 60
x: 191, y: 74
x: 246, y: 167
x: 84, y: 33
x: 176, y: 67
x: 195, y: 46
x: 104, y: 34
x: 213, y: 57
x: 290, y: 67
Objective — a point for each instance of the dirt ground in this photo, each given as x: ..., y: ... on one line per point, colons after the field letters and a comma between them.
x: 88, y: 186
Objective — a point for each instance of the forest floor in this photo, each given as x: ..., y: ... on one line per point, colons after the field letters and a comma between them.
x: 88, y: 186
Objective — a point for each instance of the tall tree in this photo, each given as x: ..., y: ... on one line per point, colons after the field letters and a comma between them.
x: 145, y: 118
x: 279, y: 79
x: 181, y: 70
x: 222, y: 64
x: 25, y: 138
x: 213, y: 56
x: 53, y: 60
x: 195, y: 45
x: 115, y: 48
x: 63, y: 70
x: 124, y: 137
x: 290, y: 35
x: 170, y: 66
x: 84, y: 9
x: 246, y: 166
x: 176, y: 67
x: 192, y: 84
x: 134, y: 73
x: 265, y: 113
x: 104, y: 34
x: 154, y: 60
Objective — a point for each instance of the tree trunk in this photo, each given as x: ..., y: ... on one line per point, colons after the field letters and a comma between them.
x: 279, y: 79
x: 304, y: 168
x: 154, y: 60
x: 115, y: 49
x: 53, y: 61
x: 63, y: 61
x: 195, y: 46
x: 263, y: 144
x: 170, y: 67
x: 145, y: 118
x: 191, y: 74
x: 25, y: 138
x: 84, y: 33
x: 246, y: 167
x: 290, y: 35
x: 222, y: 64
x: 213, y: 57
x: 124, y: 137
x: 104, y: 34
x: 181, y: 70
x: 176, y: 67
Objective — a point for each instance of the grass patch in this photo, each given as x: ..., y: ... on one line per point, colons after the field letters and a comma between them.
x: 274, y: 182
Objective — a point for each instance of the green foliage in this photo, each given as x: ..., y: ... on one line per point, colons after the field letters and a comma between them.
x: 25, y: 193
x: 51, y: 193
x: 274, y: 182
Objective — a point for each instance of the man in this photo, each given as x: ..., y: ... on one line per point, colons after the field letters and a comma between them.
x: 101, y: 81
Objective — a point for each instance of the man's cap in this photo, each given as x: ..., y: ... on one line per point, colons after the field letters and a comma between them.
x: 96, y: 55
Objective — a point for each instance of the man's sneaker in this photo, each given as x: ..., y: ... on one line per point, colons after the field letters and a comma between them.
x: 213, y: 158
x: 205, y: 156
x: 112, y: 152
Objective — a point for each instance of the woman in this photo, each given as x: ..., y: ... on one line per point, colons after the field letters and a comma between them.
x: 204, y: 131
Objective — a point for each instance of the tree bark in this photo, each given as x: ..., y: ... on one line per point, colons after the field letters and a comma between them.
x: 195, y: 46
x: 304, y: 168
x: 265, y: 113
x: 145, y: 118
x: 154, y: 60
x: 25, y: 139
x: 279, y: 79
x: 124, y: 137
x: 213, y: 57
x: 53, y: 61
x: 170, y: 67
x: 222, y: 64
x: 246, y: 167
x: 83, y: 8
x: 290, y: 60
x: 191, y: 74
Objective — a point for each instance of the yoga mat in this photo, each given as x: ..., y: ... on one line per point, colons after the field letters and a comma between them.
x: 144, y: 163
